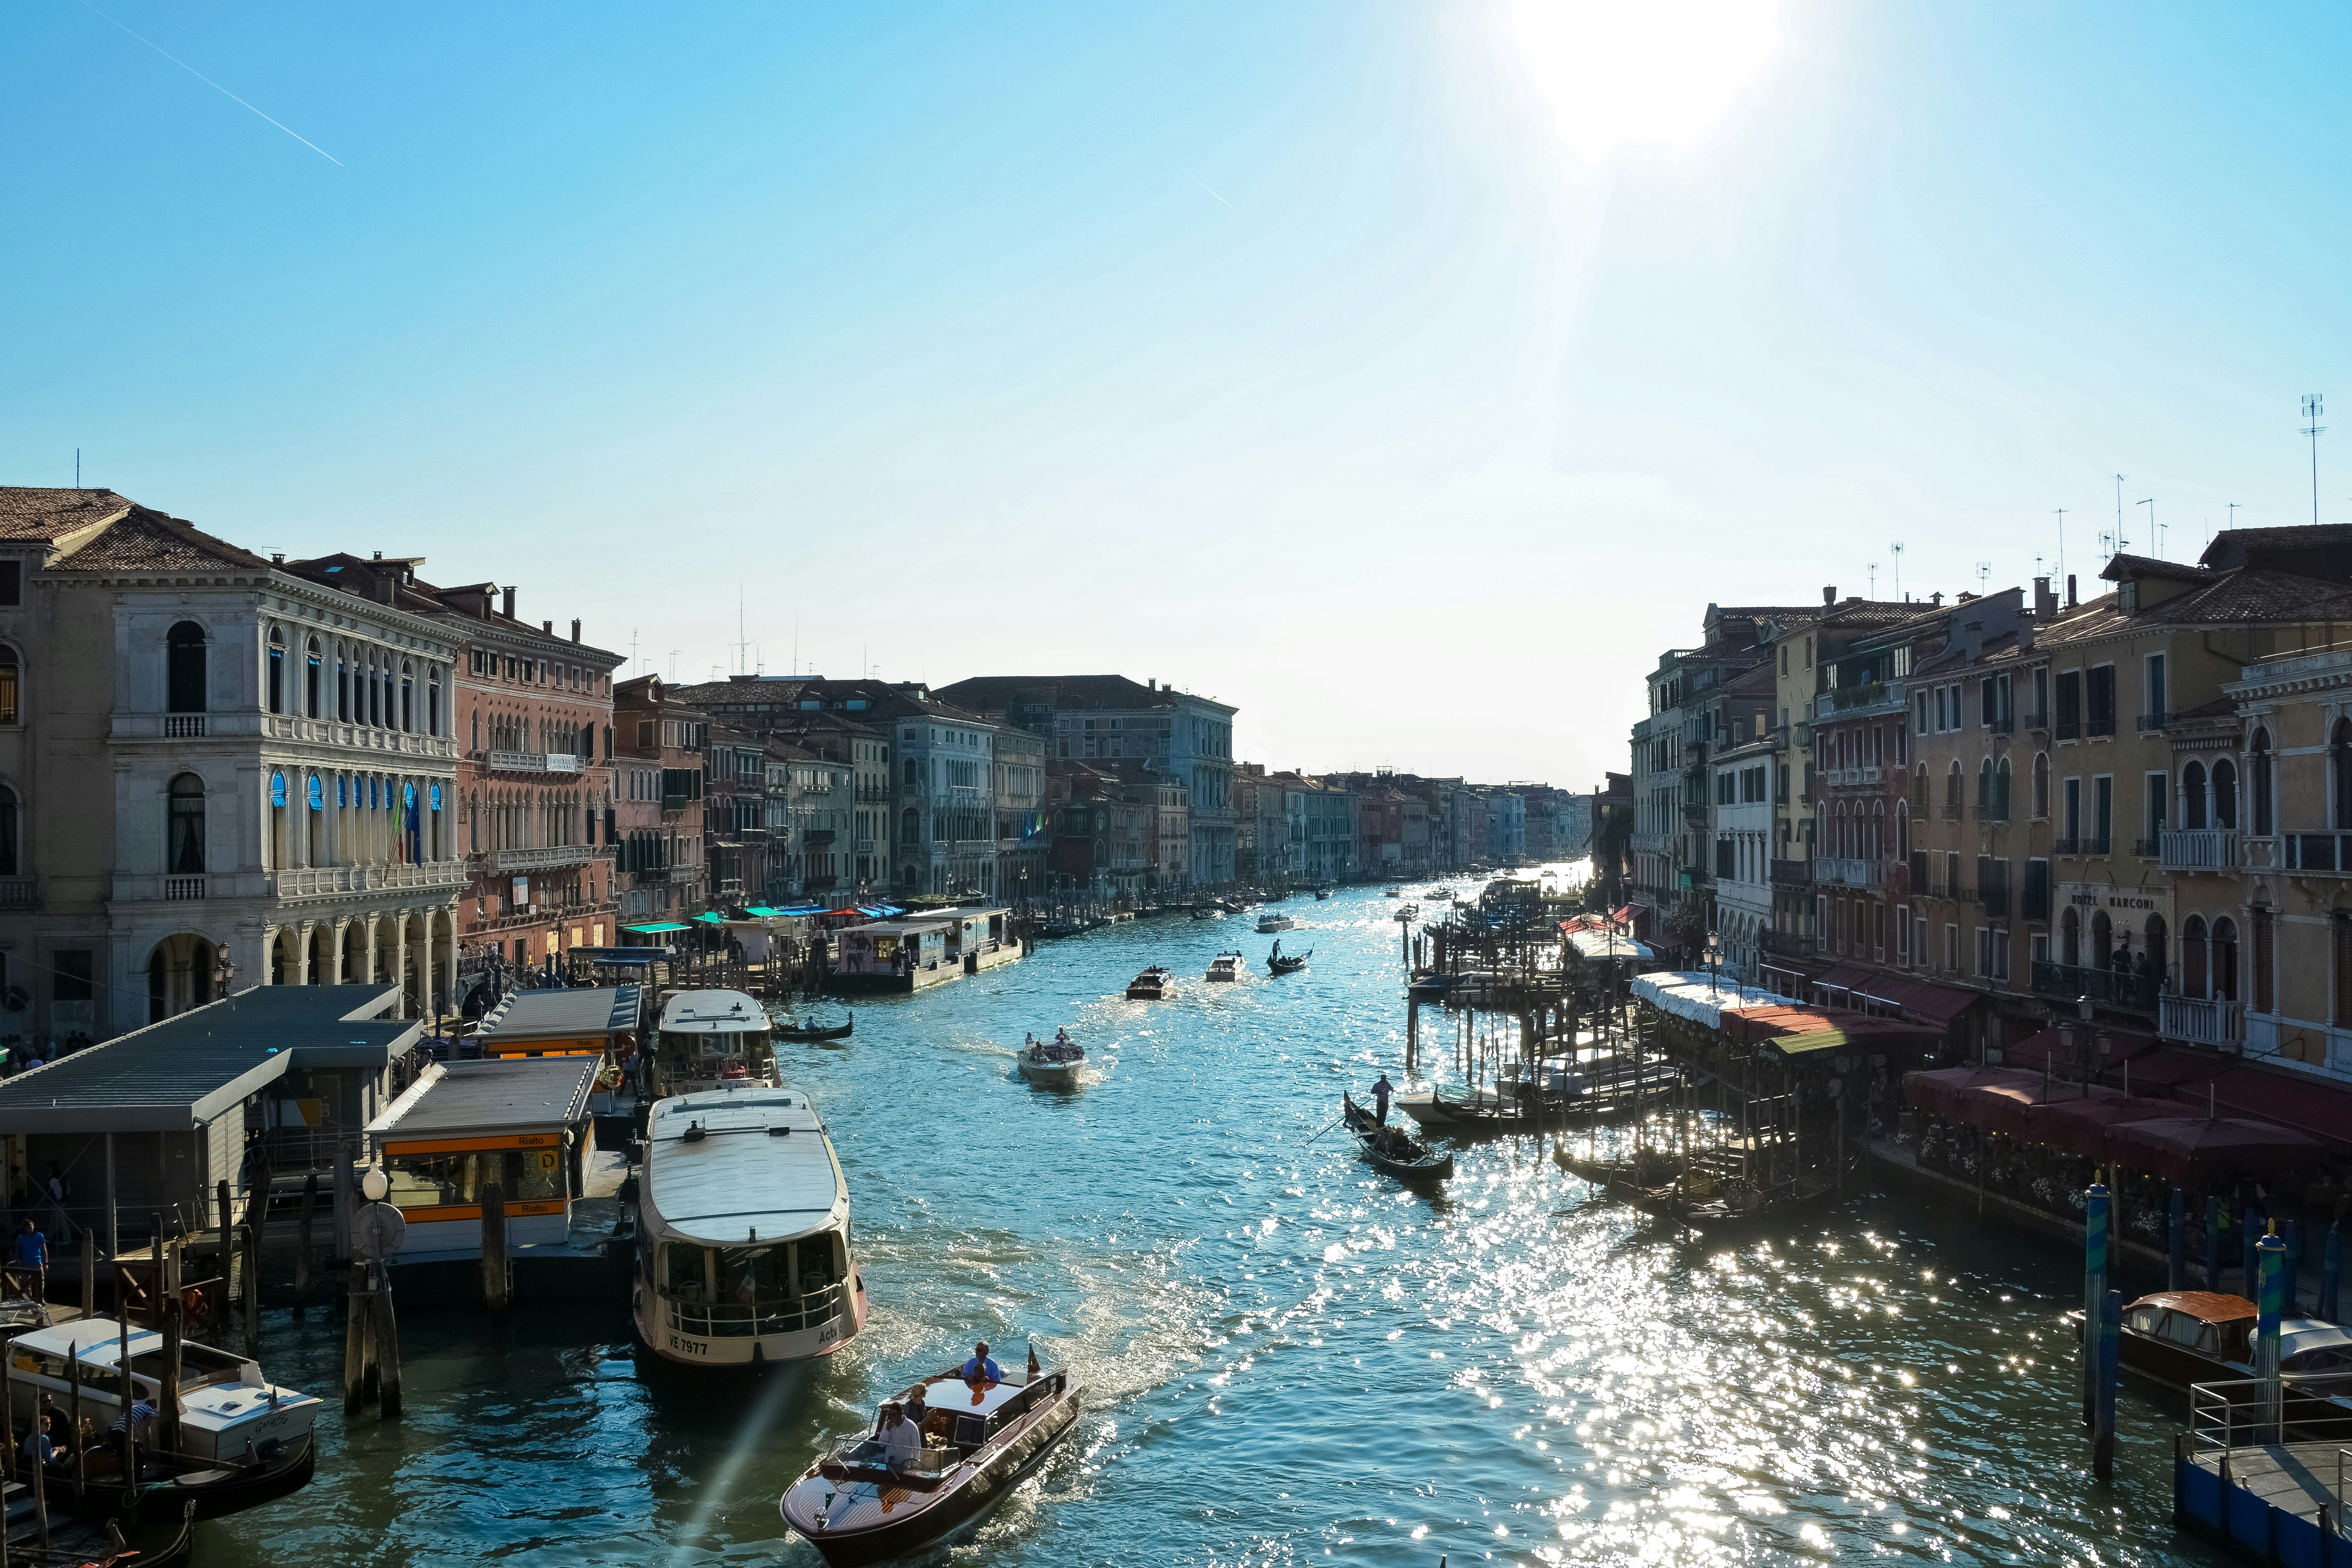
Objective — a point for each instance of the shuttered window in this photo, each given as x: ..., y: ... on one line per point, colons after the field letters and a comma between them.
x: 2265, y: 1001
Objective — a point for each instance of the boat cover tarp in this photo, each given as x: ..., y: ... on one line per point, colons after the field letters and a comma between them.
x: 1700, y: 997
x: 1608, y: 944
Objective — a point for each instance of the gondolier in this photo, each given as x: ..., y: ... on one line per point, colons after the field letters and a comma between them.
x: 1381, y: 1092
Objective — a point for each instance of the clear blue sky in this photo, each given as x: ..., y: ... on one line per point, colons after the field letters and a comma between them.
x: 1408, y: 375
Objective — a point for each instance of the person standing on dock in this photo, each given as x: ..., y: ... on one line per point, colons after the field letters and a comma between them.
x: 32, y: 1252
x: 1381, y: 1092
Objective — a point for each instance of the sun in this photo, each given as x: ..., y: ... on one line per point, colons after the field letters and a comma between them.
x: 1634, y: 73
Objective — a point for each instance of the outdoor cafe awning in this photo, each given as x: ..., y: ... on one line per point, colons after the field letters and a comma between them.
x: 655, y: 929
x: 1605, y: 944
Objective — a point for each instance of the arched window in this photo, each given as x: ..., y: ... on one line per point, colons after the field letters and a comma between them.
x: 2339, y: 770
x: 183, y: 669
x: 2193, y: 801
x: 2001, y: 791
x: 278, y: 789
x: 277, y: 670
x: 2041, y: 785
x: 2225, y: 959
x: 2260, y: 783
x: 313, y: 675
x: 10, y: 864
x: 343, y: 682
x: 2193, y: 970
x: 2225, y: 793
x: 2155, y: 944
x: 432, y: 703
x: 374, y: 714
x: 407, y: 697
x: 1902, y: 831
x: 316, y: 792
x: 1984, y: 790
x: 2069, y: 938
x: 2103, y: 938
x: 185, y: 844
x: 1952, y: 789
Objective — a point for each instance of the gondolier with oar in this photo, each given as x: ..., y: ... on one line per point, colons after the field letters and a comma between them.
x: 1381, y: 1092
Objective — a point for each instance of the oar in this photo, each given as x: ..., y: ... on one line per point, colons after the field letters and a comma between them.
x: 1343, y: 1116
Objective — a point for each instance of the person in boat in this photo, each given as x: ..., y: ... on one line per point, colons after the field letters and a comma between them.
x: 141, y: 1422
x: 980, y: 1369
x: 1062, y: 1036
x: 902, y: 1434
x: 43, y: 1446
x: 1381, y: 1092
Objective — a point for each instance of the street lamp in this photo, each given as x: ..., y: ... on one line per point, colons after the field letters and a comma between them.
x: 226, y: 974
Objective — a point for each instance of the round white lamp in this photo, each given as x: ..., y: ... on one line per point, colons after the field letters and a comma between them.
x: 376, y: 1186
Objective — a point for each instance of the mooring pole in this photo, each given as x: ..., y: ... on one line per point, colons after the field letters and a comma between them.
x: 2094, y: 1292
x: 2110, y: 1325
x: 302, y: 1243
x: 2212, y: 1241
x: 495, y: 1278
x: 354, y: 1336
x: 2248, y: 1241
x: 2175, y: 1241
x: 388, y: 1338
x: 2271, y: 1254
x: 2331, y: 1273
x: 2294, y: 1265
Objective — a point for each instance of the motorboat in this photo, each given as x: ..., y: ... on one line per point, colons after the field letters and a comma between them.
x: 1152, y: 986
x: 1206, y: 911
x: 230, y: 1414
x: 1054, y: 1063
x: 1269, y: 923
x: 713, y: 1039
x: 867, y: 1501
x: 1391, y: 1150
x: 1322, y: 893
x: 1281, y: 962
x: 1393, y: 890
x: 744, y: 1251
x: 1227, y: 966
x: 2183, y: 1337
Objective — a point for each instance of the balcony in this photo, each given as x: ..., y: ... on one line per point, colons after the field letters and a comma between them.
x: 1848, y: 778
x: 1944, y: 890
x: 2003, y: 724
x: 532, y: 762
x: 1860, y: 702
x: 1847, y: 872
x: 1789, y: 943
x: 1796, y: 871
x: 2099, y: 724
x: 2070, y: 729
x: 2149, y: 724
x: 2135, y: 992
x: 2199, y: 849
x: 2146, y: 848
x: 2330, y: 853
x: 817, y: 837
x: 20, y: 892
x: 366, y: 737
x: 2094, y: 846
x: 2202, y: 1021
x: 545, y: 857
x: 183, y: 889
x: 184, y: 726
x: 335, y: 881
x: 2037, y: 720
x: 2065, y: 847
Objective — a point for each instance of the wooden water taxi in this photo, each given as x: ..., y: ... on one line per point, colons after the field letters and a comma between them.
x: 869, y: 1500
x: 709, y: 1039
x: 743, y: 1252
x: 1227, y: 966
x: 1152, y: 986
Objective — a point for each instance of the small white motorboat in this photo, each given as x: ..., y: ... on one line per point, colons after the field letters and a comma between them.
x: 869, y: 1500
x: 1267, y: 924
x: 1227, y: 967
x: 229, y: 1413
x: 1054, y: 1063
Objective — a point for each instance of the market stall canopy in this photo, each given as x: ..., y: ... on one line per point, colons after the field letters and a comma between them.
x: 1795, y: 1031
x: 655, y: 928
x: 2191, y: 1149
x: 1701, y: 996
x: 1607, y: 945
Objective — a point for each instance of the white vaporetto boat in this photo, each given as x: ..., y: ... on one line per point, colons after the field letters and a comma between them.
x: 711, y: 1038
x: 743, y: 1242
x: 1055, y: 1063
x: 866, y: 1501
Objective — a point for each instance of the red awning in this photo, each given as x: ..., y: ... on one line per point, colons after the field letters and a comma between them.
x: 2192, y: 1149
x: 2172, y: 1067
x: 1938, y: 1005
x: 1622, y: 915
x: 1844, y: 977
x: 2081, y: 1124
x: 2289, y: 1099
x: 1946, y: 1089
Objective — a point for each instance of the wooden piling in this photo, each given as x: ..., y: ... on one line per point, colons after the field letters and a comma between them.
x: 252, y: 1278
x: 125, y: 1393
x: 227, y: 1264
x: 167, y: 1409
x: 89, y: 1274
x: 387, y: 1342
x: 40, y: 1490
x: 354, y: 1335
x: 302, y: 1243
x: 73, y: 1408
x: 496, y: 1277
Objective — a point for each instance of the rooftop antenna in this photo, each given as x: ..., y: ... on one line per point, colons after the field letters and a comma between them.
x: 2154, y: 527
x: 2062, y: 542
x: 1872, y: 570
x: 673, y: 662
x: 77, y: 468
x: 797, y: 645
x: 632, y: 646
x: 742, y: 644
x: 1984, y: 577
x: 1895, y: 548
x: 2119, y: 512
x: 2313, y: 405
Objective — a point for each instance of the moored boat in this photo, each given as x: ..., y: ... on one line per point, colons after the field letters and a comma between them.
x: 1152, y: 986
x: 744, y: 1251
x: 230, y: 1414
x: 872, y: 1499
x: 1322, y: 893
x: 1227, y: 966
x: 709, y: 1039
x: 1055, y: 1063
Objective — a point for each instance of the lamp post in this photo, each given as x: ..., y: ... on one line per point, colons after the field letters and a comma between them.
x: 226, y: 975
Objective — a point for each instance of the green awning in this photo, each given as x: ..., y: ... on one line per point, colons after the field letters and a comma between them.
x: 762, y: 911
x: 659, y: 926
x: 707, y: 918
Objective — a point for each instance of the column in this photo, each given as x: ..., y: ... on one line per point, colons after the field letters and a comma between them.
x: 424, y: 968
x: 302, y: 953
x: 268, y: 953
x: 400, y: 960
x: 367, y: 967
x: 335, y: 954
x: 449, y: 958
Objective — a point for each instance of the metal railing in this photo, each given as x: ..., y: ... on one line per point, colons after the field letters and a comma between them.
x: 2099, y: 725
x: 2199, y: 849
x: 2153, y: 721
x: 2070, y: 729
x: 2037, y: 720
x: 2318, y: 851
x: 2137, y: 993
x: 2246, y: 1413
x: 2065, y: 847
x: 735, y: 1319
x: 1792, y: 871
x: 2002, y: 724
x: 1849, y: 871
x: 2146, y: 848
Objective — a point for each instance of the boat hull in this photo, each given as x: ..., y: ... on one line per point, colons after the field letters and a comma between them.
x: 746, y: 1350
x: 1052, y: 1074
x: 934, y: 1515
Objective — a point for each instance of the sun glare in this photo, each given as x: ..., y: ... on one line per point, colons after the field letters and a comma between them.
x: 1629, y: 73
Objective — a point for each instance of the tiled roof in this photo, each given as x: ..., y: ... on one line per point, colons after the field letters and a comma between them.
x: 2127, y: 566
x: 1079, y: 693
x: 2257, y: 595
x: 144, y: 541
x: 2232, y: 547
x: 1758, y: 681
x: 41, y: 515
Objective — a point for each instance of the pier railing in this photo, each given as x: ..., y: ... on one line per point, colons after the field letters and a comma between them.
x: 2246, y: 1413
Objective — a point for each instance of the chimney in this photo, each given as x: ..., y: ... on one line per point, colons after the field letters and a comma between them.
x: 2045, y: 602
x: 278, y: 557
x: 507, y: 604
x: 2073, y: 599
x: 379, y: 556
x: 549, y: 627
x: 1829, y: 595
x: 575, y: 628
x: 1153, y: 684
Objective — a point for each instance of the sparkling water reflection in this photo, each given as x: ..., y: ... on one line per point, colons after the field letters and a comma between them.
x: 1288, y: 1358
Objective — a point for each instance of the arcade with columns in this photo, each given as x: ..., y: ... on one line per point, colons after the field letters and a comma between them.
x: 417, y: 948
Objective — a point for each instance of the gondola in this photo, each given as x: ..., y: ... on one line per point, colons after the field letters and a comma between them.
x: 806, y: 1033
x: 168, y: 1485
x: 1281, y: 962
x: 1389, y: 1150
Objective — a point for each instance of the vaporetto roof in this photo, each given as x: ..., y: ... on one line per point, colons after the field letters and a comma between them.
x: 762, y: 1168
x: 711, y: 1013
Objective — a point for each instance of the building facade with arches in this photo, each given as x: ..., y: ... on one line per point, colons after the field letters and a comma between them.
x: 218, y: 774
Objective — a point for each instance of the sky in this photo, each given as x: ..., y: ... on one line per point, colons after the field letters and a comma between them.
x: 1410, y: 375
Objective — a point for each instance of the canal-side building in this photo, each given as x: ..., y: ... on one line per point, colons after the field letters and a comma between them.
x: 652, y: 725
x: 278, y: 774
x: 841, y: 721
x: 1024, y: 839
x: 1110, y: 717
x: 1741, y: 784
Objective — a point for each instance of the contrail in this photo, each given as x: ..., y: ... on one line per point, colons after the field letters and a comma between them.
x: 225, y: 92
x: 1188, y: 174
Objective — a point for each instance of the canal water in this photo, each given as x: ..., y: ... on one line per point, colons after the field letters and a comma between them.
x: 1286, y: 1359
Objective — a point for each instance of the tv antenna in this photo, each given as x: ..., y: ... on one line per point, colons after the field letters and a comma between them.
x: 2313, y: 405
x: 1984, y: 577
x: 632, y: 646
x: 2119, y: 512
x: 1896, y: 550
x: 1872, y: 570
x: 2154, y: 527
x: 2062, y: 542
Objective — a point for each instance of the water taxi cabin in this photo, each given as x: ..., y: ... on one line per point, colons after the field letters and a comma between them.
x: 601, y: 1022
x: 920, y: 950
x: 709, y: 1038
x: 521, y: 1123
